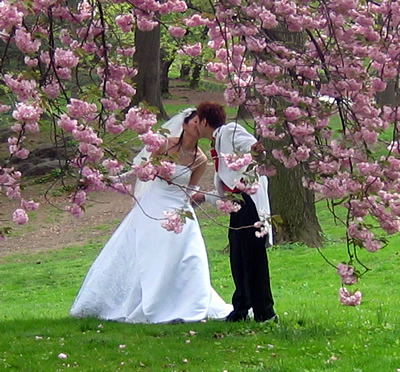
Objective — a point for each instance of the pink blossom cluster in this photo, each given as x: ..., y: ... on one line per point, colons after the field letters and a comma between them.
x: 191, y: 50
x: 249, y: 188
x: 153, y: 141
x: 173, y: 222
x: 228, y: 206
x: 139, y: 120
x: 236, y: 162
x: 349, y: 298
x: 347, y: 273
x: 10, y: 182
x: 262, y: 227
x: 20, y: 215
x: 113, y: 166
x: 148, y: 171
x: 116, y: 84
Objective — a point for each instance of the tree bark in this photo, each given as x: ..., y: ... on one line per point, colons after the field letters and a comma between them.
x: 389, y: 95
x: 294, y: 204
x: 195, y: 78
x: 165, y: 64
x: 184, y: 72
x: 147, y: 59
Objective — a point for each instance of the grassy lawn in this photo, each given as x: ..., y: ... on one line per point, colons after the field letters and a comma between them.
x: 316, y: 332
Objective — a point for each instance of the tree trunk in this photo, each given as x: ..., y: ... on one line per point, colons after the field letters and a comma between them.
x: 294, y: 204
x: 165, y: 64
x: 389, y: 95
x: 147, y: 59
x: 195, y: 78
x: 184, y: 72
x: 289, y: 199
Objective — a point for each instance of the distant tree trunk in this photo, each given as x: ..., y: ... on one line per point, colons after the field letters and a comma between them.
x: 165, y: 64
x: 195, y: 78
x: 147, y: 59
x: 184, y: 72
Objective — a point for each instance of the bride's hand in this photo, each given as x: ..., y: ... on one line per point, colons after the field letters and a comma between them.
x: 197, y: 198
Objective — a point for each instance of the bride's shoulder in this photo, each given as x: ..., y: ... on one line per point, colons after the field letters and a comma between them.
x: 168, y: 144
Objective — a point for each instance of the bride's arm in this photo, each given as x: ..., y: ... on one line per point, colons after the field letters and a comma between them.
x: 199, y: 168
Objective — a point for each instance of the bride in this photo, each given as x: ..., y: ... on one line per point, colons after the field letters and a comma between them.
x: 146, y: 274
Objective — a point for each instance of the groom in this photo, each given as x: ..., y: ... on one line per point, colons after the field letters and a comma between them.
x: 248, y: 256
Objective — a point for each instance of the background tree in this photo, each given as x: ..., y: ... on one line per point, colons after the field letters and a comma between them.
x: 147, y: 60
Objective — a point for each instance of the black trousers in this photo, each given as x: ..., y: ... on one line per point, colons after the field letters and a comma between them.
x: 249, y: 265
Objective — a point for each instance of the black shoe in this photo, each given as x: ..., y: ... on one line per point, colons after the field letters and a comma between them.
x: 237, y: 317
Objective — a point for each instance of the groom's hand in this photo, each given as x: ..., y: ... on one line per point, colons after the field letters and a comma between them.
x: 258, y: 147
x: 198, y: 198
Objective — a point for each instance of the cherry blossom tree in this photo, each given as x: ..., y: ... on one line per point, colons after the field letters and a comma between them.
x: 318, y: 97
x: 349, y: 53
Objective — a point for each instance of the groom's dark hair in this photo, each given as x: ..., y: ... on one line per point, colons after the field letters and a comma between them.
x: 213, y: 112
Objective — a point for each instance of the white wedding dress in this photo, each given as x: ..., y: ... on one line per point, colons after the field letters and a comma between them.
x: 146, y: 274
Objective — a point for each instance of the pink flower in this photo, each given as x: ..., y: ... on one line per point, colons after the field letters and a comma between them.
x: 27, y: 113
x: 349, y: 298
x: 31, y: 62
x: 228, y: 206
x: 139, y: 120
x: 79, y: 197
x: 65, y: 58
x: 173, y: 222
x: 113, y: 166
x: 93, y: 179
x: 79, y: 109
x: 166, y: 169
x: 29, y: 205
x: 67, y: 124
x: 237, y: 162
x: 195, y: 20
x: 121, y: 188
x: 177, y: 32
x: 372, y: 245
x: 20, y: 217
x: 248, y: 188
x: 125, y: 21
x: 9, y: 15
x: 113, y: 126
x: 292, y: 113
x: 4, y: 108
x: 52, y: 89
x: 153, y: 141
x: 24, y: 42
x: 22, y: 153
x: 94, y: 153
x: 145, y: 24
x: 145, y: 172
x: 127, y: 52
x: 378, y: 84
x: 76, y: 210
x: 191, y: 50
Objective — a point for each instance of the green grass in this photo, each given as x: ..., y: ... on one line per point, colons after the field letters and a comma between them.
x: 316, y: 332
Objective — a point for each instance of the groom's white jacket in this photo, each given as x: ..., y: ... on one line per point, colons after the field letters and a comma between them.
x: 232, y: 138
